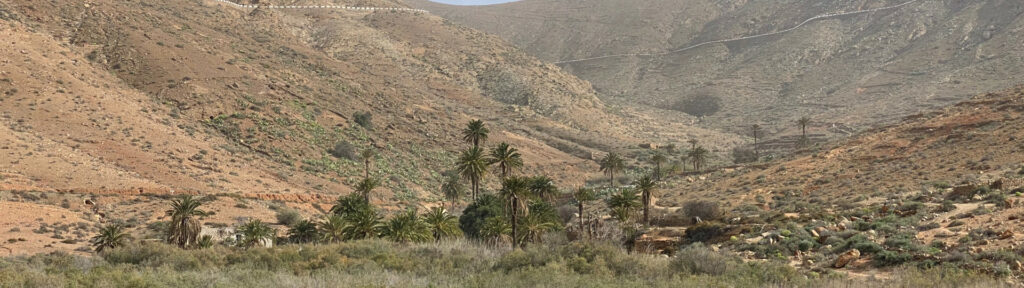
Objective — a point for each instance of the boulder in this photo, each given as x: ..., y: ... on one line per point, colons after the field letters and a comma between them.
x: 846, y: 258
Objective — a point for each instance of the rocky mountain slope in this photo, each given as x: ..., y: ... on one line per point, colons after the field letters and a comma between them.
x: 850, y: 71
x: 201, y: 96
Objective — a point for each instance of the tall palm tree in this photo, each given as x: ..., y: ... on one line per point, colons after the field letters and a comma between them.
x: 582, y: 196
x: 441, y: 223
x: 111, y: 236
x: 184, y: 228
x: 658, y: 159
x: 303, y: 232
x: 803, y: 122
x: 698, y: 156
x: 646, y: 186
x: 366, y: 186
x: 475, y: 133
x: 756, y: 131
x: 332, y: 228
x: 406, y: 227
x: 534, y: 226
x: 515, y: 191
x: 452, y: 189
x: 361, y: 224
x: 472, y: 166
x: 256, y: 233
x: 610, y: 164
x: 507, y: 158
x: 543, y: 187
x: 623, y: 204
x: 367, y: 155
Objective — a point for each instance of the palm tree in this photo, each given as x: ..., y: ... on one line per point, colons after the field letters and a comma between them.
x: 111, y: 236
x: 331, y: 228
x: 623, y: 204
x: 543, y: 187
x: 698, y: 156
x: 452, y: 189
x: 441, y: 223
x: 515, y: 191
x: 348, y: 204
x: 366, y: 186
x: 610, y: 164
x: 496, y: 230
x: 367, y: 155
x: 507, y: 158
x: 658, y: 159
x: 475, y: 133
x: 256, y: 233
x: 184, y: 228
x: 693, y: 143
x: 803, y: 122
x: 303, y: 232
x: 646, y: 186
x: 582, y: 195
x: 406, y: 227
x: 361, y: 224
x: 755, y: 131
x: 534, y: 226
x: 472, y: 166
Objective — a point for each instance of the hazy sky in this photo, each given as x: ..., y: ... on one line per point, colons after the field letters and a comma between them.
x: 472, y: 2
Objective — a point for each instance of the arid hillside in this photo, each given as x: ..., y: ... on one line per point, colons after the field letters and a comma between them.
x: 200, y: 96
x: 848, y: 73
x: 958, y: 171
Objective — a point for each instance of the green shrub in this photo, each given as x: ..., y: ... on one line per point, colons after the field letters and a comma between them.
x: 698, y: 259
x: 345, y: 150
x: 476, y: 214
x: 288, y: 217
x: 363, y: 119
x: 890, y: 258
x: 705, y: 232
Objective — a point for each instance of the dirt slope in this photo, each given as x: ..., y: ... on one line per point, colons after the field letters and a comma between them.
x: 854, y: 71
x: 114, y: 96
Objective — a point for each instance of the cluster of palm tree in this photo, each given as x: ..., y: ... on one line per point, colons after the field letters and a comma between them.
x: 352, y: 218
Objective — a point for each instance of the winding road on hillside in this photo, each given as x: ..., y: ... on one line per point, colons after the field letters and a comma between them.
x: 332, y: 7
x: 698, y: 45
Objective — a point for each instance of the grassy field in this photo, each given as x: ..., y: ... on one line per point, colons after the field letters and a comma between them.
x: 460, y: 263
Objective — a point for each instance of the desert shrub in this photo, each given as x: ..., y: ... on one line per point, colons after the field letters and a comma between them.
x: 698, y: 259
x: 890, y: 258
x: 363, y: 119
x: 344, y: 149
x: 967, y: 193
x: 706, y: 210
x: 946, y: 206
x: 859, y: 242
x: 743, y: 155
x: 699, y: 105
x: 288, y: 217
x: 705, y: 232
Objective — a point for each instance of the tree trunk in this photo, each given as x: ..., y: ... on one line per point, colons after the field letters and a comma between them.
x: 658, y: 171
x: 647, y: 207
x: 515, y: 207
x: 366, y: 169
x: 611, y: 180
x: 580, y: 206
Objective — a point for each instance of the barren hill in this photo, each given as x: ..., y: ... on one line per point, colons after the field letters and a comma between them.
x: 855, y: 70
x: 201, y: 96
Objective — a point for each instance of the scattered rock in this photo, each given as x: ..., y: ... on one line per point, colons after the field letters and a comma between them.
x: 846, y: 258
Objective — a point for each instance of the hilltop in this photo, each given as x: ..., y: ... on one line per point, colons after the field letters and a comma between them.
x: 848, y: 73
